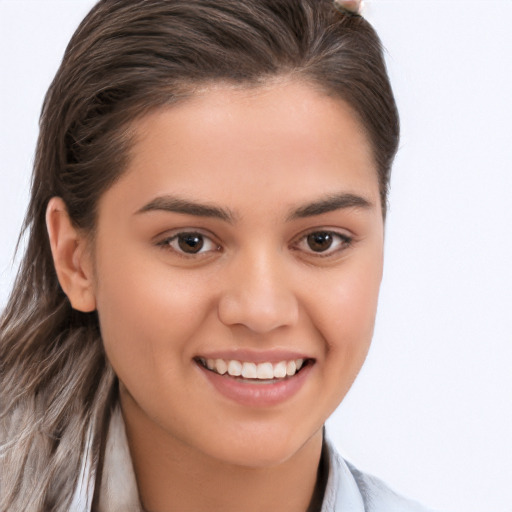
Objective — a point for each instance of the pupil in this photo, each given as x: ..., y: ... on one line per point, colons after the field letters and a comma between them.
x: 190, y: 243
x: 319, y: 242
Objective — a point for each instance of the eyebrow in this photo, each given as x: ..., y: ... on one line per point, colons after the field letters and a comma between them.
x: 325, y: 205
x: 179, y: 205
x: 331, y: 203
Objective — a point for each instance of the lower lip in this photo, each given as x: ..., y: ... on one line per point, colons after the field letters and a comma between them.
x: 251, y: 394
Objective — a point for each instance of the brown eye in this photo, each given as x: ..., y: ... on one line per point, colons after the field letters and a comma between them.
x: 320, y: 241
x: 191, y: 243
x: 323, y: 243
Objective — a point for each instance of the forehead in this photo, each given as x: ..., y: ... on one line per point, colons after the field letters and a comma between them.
x: 285, y: 140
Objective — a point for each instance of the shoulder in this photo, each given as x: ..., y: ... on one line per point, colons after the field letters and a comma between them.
x: 350, y: 489
x: 379, y: 497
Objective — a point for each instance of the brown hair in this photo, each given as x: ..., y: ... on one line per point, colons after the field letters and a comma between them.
x: 126, y: 58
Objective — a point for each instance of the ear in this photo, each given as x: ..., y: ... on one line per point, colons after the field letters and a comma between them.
x: 71, y: 258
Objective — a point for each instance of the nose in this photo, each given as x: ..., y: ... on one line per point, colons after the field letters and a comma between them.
x: 258, y: 295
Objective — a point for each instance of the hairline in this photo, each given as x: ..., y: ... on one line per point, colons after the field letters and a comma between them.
x: 185, y: 91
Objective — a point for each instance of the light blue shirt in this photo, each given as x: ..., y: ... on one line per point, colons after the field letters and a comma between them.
x: 347, y: 489
x: 350, y: 490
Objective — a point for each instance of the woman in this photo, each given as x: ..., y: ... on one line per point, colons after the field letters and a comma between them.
x: 205, y: 253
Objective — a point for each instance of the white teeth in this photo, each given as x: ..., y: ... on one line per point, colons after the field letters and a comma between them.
x: 291, y: 368
x: 280, y: 370
x: 235, y: 368
x: 220, y: 366
x: 265, y: 371
x: 247, y: 370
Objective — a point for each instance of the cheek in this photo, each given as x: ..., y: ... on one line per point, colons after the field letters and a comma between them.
x: 342, y: 312
x: 147, y: 313
x: 348, y: 312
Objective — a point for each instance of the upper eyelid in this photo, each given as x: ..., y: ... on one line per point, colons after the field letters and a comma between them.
x: 165, y: 244
x: 172, y: 234
x: 346, y: 241
x: 343, y: 233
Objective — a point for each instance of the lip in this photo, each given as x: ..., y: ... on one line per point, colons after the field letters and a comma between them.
x: 262, y: 394
x: 250, y: 356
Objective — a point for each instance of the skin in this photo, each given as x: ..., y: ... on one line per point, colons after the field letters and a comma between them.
x: 260, y: 155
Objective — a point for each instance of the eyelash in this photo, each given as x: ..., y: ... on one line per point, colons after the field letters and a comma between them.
x: 167, y: 244
x: 341, y: 242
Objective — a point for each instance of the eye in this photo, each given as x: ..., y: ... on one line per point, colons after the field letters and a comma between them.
x: 190, y: 243
x: 323, y: 243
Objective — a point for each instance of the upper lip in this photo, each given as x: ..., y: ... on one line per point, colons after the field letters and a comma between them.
x: 252, y: 356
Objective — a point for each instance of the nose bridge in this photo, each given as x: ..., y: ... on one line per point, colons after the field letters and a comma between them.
x: 259, y: 293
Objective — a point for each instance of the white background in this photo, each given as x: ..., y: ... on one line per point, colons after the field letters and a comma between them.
x: 431, y: 412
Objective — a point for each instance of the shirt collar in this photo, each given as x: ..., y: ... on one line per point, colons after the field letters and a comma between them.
x: 342, y: 492
x: 118, y: 490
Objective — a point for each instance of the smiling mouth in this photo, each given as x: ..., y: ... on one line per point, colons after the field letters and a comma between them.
x: 255, y: 372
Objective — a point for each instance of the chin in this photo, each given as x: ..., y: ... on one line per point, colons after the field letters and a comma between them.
x: 257, y: 457
x: 259, y: 448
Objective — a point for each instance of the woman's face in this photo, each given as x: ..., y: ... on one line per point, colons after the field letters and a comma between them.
x: 246, y: 234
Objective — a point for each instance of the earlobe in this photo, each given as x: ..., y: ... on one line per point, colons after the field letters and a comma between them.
x: 70, y: 257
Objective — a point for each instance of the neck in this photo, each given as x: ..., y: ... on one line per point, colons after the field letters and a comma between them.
x: 173, y: 476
